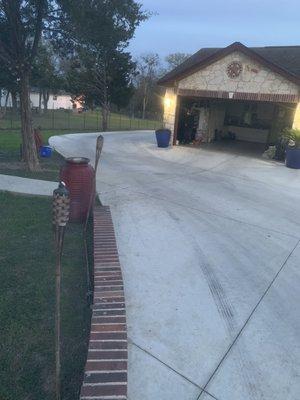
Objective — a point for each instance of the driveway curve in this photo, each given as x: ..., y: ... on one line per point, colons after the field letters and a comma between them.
x: 209, y: 245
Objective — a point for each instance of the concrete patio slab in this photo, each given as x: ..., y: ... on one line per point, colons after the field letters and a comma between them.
x: 16, y: 184
x: 270, y: 173
x: 247, y: 201
x: 204, y: 238
x: 194, y: 276
x: 264, y: 363
x: 145, y: 377
x: 205, y: 396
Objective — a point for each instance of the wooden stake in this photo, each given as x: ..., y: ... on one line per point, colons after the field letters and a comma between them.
x: 60, y: 230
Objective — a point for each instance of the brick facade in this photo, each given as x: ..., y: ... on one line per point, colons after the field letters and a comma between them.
x: 105, y: 374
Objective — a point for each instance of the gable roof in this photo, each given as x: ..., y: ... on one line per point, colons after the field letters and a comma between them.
x: 284, y: 60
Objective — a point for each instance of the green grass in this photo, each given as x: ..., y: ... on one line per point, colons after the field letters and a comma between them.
x: 67, y: 120
x: 10, y: 163
x: 27, y: 302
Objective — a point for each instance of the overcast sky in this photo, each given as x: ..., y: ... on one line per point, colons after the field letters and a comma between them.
x: 187, y: 25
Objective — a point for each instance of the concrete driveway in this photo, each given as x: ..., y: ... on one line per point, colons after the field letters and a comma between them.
x: 209, y: 244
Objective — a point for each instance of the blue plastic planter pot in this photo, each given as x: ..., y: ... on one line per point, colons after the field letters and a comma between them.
x: 163, y: 137
x: 46, y: 151
x: 292, y: 158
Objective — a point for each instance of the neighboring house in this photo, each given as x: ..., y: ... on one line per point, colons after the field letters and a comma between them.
x: 56, y: 101
x: 250, y: 92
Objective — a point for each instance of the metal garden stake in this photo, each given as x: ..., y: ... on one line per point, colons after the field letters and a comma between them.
x: 99, y: 146
x: 61, y: 211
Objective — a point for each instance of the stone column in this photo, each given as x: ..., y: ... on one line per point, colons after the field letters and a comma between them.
x: 170, y: 104
x: 296, y: 122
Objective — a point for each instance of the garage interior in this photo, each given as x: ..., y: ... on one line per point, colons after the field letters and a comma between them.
x: 250, y: 126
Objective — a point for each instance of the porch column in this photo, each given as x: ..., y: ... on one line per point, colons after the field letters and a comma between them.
x: 170, y: 104
x: 296, y: 122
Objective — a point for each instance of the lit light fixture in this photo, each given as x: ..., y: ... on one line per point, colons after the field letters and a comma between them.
x: 167, y: 102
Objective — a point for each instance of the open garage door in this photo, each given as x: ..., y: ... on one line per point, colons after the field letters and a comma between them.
x: 201, y: 120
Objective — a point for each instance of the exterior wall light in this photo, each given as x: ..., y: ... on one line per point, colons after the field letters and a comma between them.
x: 296, y: 122
x: 167, y: 102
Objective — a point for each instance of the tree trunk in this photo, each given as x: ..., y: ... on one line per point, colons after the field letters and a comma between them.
x: 145, y: 100
x: 46, y: 95
x: 4, y: 108
x: 105, y: 115
x: 6, y: 102
x: 144, y: 108
x: 40, y: 101
x: 14, y: 101
x: 29, y: 152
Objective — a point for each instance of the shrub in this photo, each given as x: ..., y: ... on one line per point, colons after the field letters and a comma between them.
x: 293, y: 137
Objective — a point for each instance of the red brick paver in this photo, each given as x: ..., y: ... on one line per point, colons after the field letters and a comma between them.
x: 106, y: 367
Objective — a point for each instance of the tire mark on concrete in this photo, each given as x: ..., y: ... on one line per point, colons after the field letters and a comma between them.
x: 226, y: 310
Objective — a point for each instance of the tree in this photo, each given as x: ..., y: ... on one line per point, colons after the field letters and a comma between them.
x: 8, y: 86
x: 102, y: 29
x: 21, y: 25
x: 147, y: 96
x: 102, y: 83
x: 102, y: 66
x: 175, y: 59
x: 45, y: 74
x: 148, y: 67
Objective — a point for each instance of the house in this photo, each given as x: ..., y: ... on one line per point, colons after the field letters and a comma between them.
x: 55, y: 101
x: 60, y: 100
x: 237, y: 92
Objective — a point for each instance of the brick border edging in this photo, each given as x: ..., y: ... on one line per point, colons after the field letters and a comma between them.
x: 105, y: 374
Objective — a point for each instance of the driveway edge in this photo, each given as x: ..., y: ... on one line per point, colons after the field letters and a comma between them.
x: 106, y: 367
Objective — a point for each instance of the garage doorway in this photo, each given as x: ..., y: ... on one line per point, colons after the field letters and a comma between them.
x: 232, y: 125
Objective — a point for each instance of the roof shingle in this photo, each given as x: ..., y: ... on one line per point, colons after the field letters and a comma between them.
x: 286, y: 58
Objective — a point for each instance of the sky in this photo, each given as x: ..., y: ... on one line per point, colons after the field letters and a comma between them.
x: 188, y: 25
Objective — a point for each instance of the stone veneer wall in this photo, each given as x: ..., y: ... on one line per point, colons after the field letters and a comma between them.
x: 254, y: 78
x: 170, y: 110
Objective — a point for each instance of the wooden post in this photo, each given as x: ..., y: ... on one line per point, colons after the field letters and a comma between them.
x: 59, y: 243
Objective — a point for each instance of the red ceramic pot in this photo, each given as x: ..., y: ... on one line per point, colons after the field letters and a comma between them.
x: 78, y: 175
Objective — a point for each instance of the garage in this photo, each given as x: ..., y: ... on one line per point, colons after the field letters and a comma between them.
x: 203, y: 120
x: 235, y: 94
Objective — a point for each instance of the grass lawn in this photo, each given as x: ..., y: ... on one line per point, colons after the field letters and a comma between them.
x: 67, y: 120
x: 10, y: 163
x: 64, y: 122
x: 27, y: 302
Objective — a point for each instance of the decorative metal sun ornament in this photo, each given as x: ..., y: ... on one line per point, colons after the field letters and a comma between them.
x: 234, y: 69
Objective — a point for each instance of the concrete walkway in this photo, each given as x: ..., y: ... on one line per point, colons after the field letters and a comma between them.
x: 209, y: 245
x: 16, y: 184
